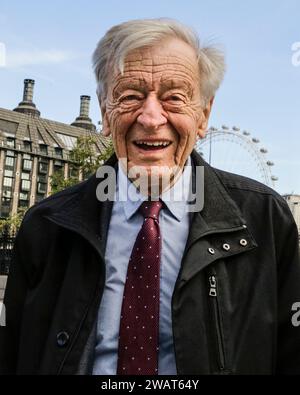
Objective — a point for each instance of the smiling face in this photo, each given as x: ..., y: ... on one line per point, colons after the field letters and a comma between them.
x: 154, y: 110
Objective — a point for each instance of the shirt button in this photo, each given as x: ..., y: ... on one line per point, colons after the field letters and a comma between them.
x: 211, y: 251
x: 226, y: 247
x: 243, y: 242
x: 62, y: 339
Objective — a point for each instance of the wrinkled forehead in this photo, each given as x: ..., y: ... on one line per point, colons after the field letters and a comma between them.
x: 171, y: 60
x: 145, y: 61
x: 173, y: 48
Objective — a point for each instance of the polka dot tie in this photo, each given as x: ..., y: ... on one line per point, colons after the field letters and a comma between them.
x: 139, y: 325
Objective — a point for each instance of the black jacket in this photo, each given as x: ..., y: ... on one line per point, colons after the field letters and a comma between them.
x: 231, y: 307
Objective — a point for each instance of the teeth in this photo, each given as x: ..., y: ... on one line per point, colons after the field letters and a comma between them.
x: 156, y: 144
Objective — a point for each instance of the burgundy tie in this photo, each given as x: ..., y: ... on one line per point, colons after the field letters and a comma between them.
x: 139, y: 325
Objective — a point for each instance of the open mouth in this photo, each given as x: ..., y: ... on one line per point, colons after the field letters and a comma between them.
x: 152, y: 145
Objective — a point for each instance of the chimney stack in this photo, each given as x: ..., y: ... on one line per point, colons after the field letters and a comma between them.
x: 27, y: 106
x: 85, y: 106
x: 28, y: 91
x: 84, y: 121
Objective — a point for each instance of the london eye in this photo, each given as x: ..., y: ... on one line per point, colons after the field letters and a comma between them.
x: 239, y: 152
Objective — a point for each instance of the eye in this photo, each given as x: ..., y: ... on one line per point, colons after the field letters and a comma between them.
x: 130, y: 98
x: 175, y: 98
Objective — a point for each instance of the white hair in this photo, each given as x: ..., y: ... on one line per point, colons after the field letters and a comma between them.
x: 121, y: 39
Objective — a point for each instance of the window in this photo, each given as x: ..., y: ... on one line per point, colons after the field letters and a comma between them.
x: 8, y: 173
x: 58, y: 166
x: 25, y: 176
x: 9, y: 161
x: 5, y: 207
x: 11, y: 142
x: 43, y: 167
x: 23, y: 203
x: 24, y: 196
x: 42, y: 178
x: 27, y: 146
x: 7, y: 182
x: 58, y: 152
x: 73, y: 172
x: 25, y: 185
x: 27, y: 164
x: 24, y: 199
x: 7, y: 193
x: 69, y: 141
x: 43, y: 149
x: 41, y: 188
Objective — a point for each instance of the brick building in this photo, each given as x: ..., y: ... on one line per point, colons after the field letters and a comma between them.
x: 32, y: 148
x: 294, y: 203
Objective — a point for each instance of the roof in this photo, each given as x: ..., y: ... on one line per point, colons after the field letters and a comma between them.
x: 38, y: 130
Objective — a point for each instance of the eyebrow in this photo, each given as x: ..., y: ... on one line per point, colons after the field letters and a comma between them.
x: 169, y: 83
x: 134, y: 84
x: 139, y: 84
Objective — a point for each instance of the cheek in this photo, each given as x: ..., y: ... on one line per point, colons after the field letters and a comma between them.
x: 120, y: 123
x: 186, y: 127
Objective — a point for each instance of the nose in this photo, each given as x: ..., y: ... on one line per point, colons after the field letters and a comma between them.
x: 152, y: 115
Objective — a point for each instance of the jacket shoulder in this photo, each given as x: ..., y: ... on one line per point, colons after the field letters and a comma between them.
x: 257, y: 201
x: 244, y: 184
x: 55, y: 201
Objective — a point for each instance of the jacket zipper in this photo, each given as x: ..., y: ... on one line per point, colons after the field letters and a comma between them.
x: 214, y: 299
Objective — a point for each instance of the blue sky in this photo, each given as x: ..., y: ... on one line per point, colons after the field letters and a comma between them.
x: 52, y: 43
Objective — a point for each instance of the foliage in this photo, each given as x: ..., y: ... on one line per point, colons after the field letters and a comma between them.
x: 83, y: 160
x: 11, y: 224
x: 59, y: 182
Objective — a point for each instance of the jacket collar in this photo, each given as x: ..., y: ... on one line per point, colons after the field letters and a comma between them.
x: 84, y: 214
x: 220, y: 213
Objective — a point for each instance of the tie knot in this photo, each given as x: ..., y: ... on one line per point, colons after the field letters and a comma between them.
x: 150, y: 209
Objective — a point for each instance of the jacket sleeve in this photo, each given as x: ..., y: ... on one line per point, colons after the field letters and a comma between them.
x: 15, y: 295
x: 287, y: 246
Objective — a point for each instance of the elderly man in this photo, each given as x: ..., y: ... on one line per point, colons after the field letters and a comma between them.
x: 148, y: 285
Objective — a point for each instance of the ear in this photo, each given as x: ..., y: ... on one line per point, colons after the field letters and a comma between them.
x: 205, y: 117
x: 105, y: 123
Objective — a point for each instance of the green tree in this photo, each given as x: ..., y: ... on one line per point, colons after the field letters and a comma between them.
x: 11, y: 224
x: 59, y: 182
x: 83, y: 160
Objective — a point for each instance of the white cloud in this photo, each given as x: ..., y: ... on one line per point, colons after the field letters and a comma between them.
x: 16, y: 59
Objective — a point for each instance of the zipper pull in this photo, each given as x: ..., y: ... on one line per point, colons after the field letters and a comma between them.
x: 213, y: 286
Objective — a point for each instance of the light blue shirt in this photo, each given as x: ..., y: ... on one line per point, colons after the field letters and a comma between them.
x: 124, y: 227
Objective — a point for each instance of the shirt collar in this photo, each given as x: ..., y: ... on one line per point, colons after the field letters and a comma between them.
x: 175, y: 199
